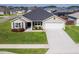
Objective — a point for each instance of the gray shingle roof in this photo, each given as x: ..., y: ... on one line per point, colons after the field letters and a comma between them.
x: 38, y: 14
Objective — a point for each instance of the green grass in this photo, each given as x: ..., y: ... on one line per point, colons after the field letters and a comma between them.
x: 73, y: 32
x: 26, y: 51
x: 9, y: 37
x: 1, y: 17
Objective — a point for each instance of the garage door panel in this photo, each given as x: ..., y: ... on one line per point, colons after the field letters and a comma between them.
x: 53, y: 26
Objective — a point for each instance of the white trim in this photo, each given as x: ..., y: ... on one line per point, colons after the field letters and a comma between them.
x: 12, y: 25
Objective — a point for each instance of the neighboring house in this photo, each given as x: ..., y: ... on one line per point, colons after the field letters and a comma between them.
x: 37, y: 19
x: 69, y: 20
x: 12, y: 11
x: 75, y: 15
x: 1, y: 12
x: 20, y: 12
x: 4, y: 10
x: 50, y: 10
x: 28, y: 11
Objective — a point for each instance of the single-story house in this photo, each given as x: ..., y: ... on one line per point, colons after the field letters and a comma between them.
x: 37, y: 19
x: 76, y: 16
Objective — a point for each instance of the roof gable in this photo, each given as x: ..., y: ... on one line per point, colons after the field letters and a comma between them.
x: 37, y: 14
x: 54, y: 19
x: 21, y: 18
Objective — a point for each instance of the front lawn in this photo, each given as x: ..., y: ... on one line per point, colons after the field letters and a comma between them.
x: 8, y: 37
x: 1, y: 17
x: 73, y: 32
x: 26, y: 51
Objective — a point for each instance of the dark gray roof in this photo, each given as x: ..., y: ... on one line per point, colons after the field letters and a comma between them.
x: 37, y: 14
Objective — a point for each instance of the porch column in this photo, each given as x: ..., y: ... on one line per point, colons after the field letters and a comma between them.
x: 24, y: 25
x: 12, y: 25
x: 31, y: 25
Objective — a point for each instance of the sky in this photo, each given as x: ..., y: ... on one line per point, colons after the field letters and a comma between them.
x: 29, y: 5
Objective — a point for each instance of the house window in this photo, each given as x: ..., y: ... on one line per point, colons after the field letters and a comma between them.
x: 35, y: 23
x: 41, y: 23
x: 18, y: 25
x: 38, y: 23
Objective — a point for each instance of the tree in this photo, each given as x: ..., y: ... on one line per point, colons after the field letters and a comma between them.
x: 73, y: 7
x: 50, y: 6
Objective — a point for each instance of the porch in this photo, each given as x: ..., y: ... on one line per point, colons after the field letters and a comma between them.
x: 26, y: 26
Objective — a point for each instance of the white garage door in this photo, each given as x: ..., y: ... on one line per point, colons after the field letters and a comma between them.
x: 53, y: 25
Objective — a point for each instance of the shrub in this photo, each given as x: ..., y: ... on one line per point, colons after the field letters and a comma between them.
x: 18, y: 30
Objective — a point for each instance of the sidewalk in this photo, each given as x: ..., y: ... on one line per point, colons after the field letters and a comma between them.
x: 23, y: 45
x: 6, y: 52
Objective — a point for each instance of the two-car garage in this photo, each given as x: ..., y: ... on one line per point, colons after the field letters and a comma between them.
x: 53, y: 24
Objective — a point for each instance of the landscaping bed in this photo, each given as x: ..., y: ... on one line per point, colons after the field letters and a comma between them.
x: 9, y: 37
x: 26, y: 51
x: 73, y: 32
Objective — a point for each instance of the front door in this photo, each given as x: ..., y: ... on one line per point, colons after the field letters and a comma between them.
x: 28, y: 25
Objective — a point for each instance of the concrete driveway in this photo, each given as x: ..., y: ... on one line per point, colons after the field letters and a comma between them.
x: 60, y: 42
